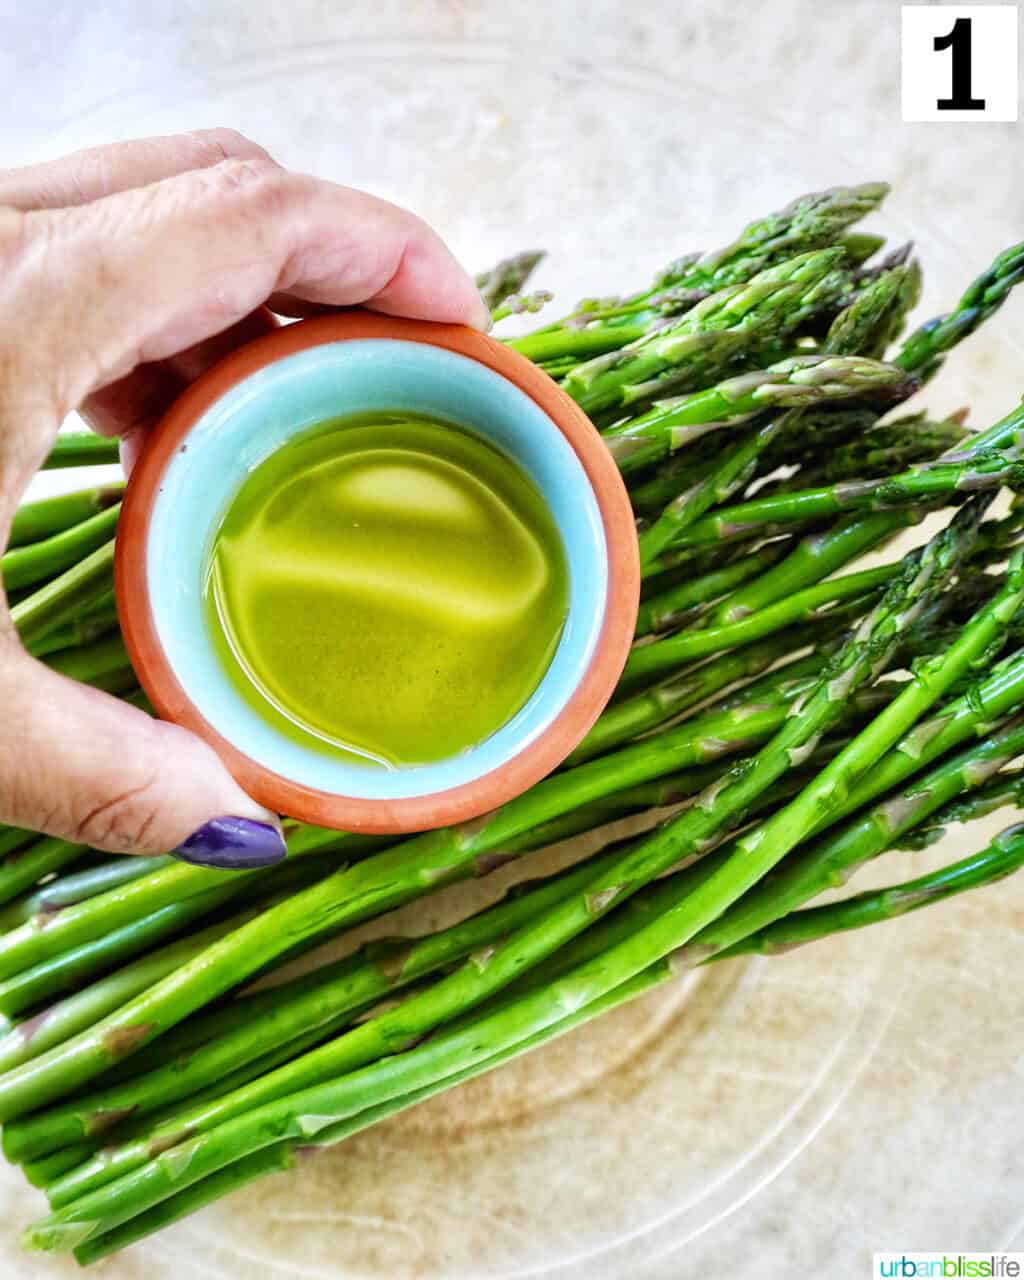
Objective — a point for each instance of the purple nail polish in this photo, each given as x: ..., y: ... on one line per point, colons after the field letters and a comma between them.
x: 233, y: 844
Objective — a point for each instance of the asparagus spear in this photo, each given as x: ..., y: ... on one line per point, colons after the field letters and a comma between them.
x: 832, y: 859
x: 649, y: 659
x: 81, y: 449
x: 924, y: 349
x: 921, y: 484
x: 810, y: 222
x: 1003, y: 856
x: 507, y: 277
x: 34, y: 521
x: 30, y: 943
x: 887, y: 449
x: 774, y: 302
x: 815, y: 557
x: 796, y: 382
x: 849, y: 337
x: 680, y: 603
x: 326, y: 999
x: 25, y: 566
x: 734, y: 471
x: 77, y: 887
x: 386, y: 880
x: 24, y: 866
x: 519, y: 304
x: 803, y: 875
x: 96, y: 622
x: 40, y: 613
x: 867, y: 324
x: 859, y: 246
x: 31, y: 985
x: 401, y: 960
x: 631, y: 717
x: 57, y: 1022
x: 919, y: 356
x: 12, y: 839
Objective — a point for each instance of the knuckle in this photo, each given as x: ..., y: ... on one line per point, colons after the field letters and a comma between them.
x: 223, y: 143
x: 121, y: 821
x: 250, y: 177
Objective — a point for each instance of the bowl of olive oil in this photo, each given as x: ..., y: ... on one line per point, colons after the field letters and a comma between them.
x: 385, y: 567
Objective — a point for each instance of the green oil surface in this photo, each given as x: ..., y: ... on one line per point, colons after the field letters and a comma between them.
x: 387, y: 587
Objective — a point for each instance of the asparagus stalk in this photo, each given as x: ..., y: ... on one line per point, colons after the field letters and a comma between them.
x: 733, y: 472
x: 796, y: 382
x: 34, y: 521
x: 32, y: 985
x: 12, y: 839
x: 633, y: 716
x: 519, y: 304
x: 40, y: 613
x: 25, y: 566
x: 681, y: 602
x: 803, y: 606
x: 918, y: 357
x: 922, y: 484
x: 773, y: 303
x: 57, y: 1022
x: 275, y: 1159
x: 81, y: 449
x: 830, y: 860
x: 140, y: 1095
x: 814, y: 558
x: 96, y: 622
x: 1006, y: 788
x: 892, y: 446
x: 811, y: 222
x: 77, y: 887
x: 23, y: 867
x: 386, y: 880
x: 32, y: 943
x: 849, y: 338
x: 324, y: 1000
x: 883, y: 451
x: 859, y: 246
x: 1003, y: 856
x: 630, y: 716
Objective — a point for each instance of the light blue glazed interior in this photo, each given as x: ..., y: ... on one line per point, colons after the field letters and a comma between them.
x: 257, y: 417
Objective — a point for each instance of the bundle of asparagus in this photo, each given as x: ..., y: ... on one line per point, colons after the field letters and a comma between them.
x: 799, y: 724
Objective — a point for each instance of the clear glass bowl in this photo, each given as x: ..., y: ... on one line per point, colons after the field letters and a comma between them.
x: 608, y: 1153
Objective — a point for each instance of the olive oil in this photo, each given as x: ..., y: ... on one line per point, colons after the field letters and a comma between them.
x: 387, y: 587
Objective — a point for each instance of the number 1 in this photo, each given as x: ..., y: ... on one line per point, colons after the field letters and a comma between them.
x: 959, y: 40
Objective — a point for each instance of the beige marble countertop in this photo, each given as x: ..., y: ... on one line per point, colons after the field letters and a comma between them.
x: 773, y: 1117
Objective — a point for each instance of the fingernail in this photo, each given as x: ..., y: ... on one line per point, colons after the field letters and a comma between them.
x: 233, y: 844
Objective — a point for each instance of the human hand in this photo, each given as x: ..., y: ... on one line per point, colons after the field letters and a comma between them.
x: 127, y: 270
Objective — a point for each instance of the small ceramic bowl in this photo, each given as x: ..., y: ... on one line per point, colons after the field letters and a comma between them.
x: 247, y: 407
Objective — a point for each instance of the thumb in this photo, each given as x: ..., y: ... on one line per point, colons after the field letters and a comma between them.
x: 82, y: 766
